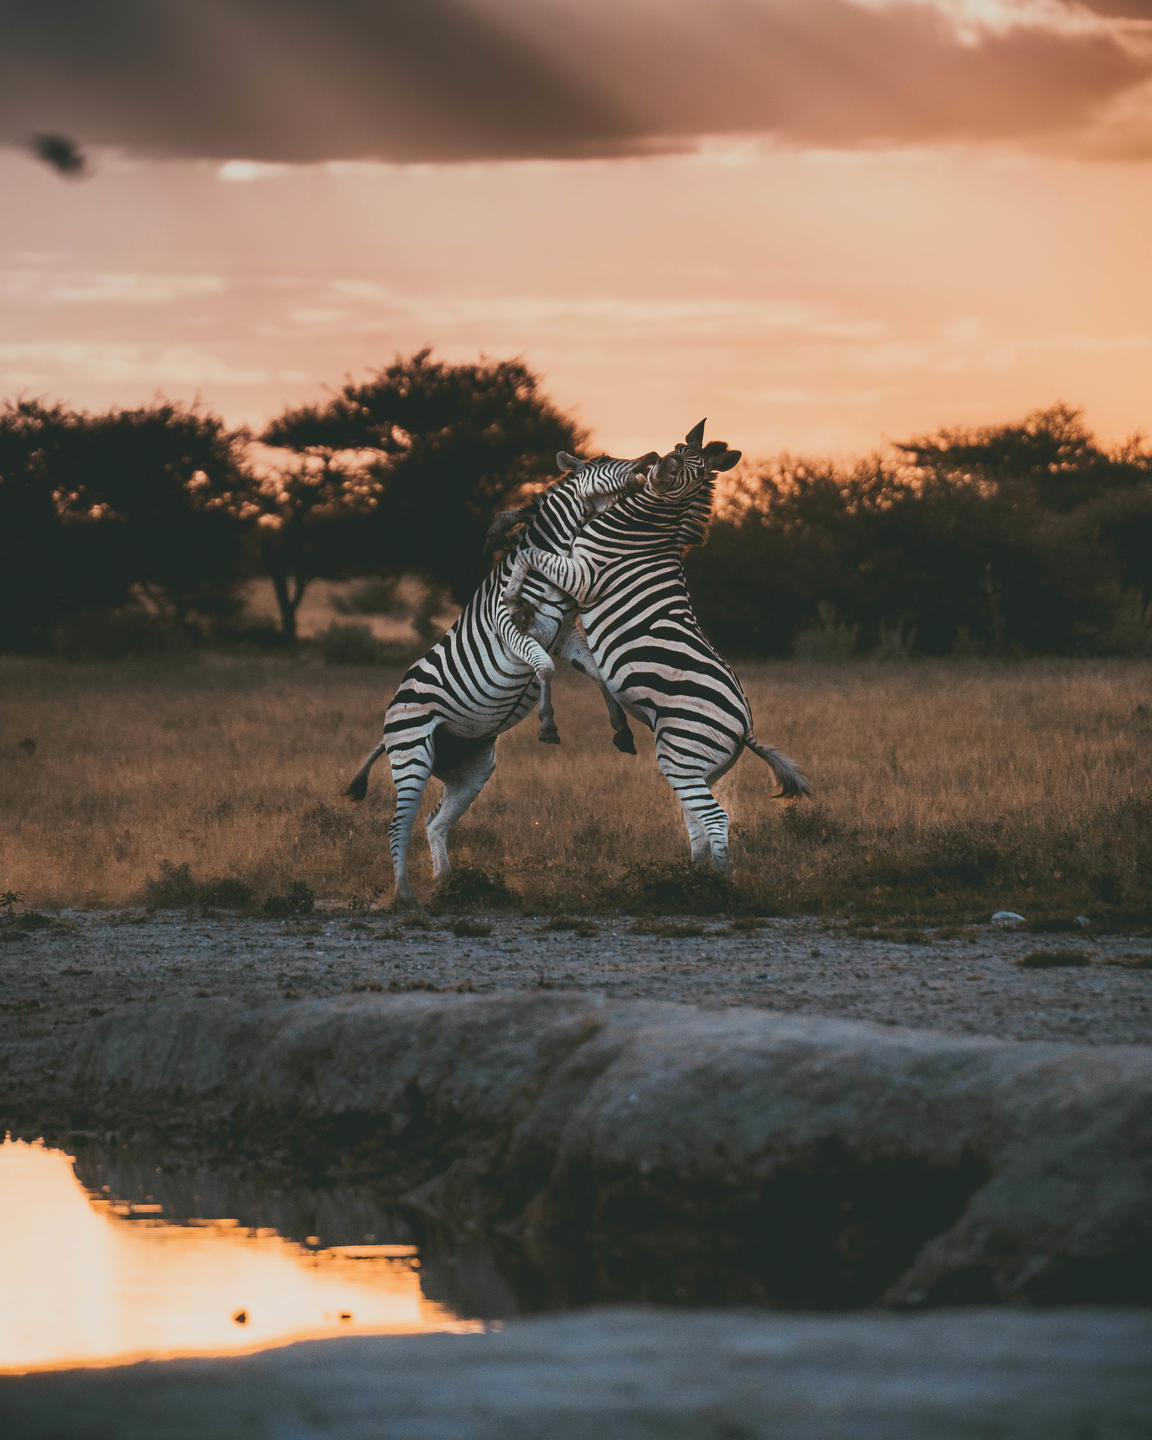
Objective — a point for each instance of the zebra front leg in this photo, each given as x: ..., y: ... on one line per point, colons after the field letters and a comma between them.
x: 574, y: 649
x: 560, y: 570
x: 465, y: 766
x: 528, y: 649
x: 411, y: 766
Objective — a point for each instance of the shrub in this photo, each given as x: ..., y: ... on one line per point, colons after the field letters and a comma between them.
x: 471, y: 889
x: 1050, y: 959
x: 172, y: 889
x: 352, y: 644
x: 672, y: 890
x: 298, y: 899
x: 828, y: 640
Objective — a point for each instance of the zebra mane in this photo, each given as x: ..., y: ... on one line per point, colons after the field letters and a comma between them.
x: 697, y: 520
x: 499, y: 535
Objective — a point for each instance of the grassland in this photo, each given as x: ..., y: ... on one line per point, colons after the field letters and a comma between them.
x: 941, y: 790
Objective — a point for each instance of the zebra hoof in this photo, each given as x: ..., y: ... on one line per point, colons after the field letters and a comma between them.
x: 624, y: 741
x: 549, y: 735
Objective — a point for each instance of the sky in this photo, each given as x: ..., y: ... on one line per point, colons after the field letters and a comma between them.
x: 825, y: 224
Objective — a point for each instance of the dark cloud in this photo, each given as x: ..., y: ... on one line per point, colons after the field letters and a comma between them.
x: 438, y: 80
x: 1117, y: 9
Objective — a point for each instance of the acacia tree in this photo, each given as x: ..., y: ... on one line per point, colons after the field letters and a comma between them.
x: 434, y: 448
x: 305, y: 508
x: 33, y: 577
x: 100, y: 512
x: 152, y: 491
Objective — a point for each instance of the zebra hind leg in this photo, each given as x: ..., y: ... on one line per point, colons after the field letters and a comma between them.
x: 465, y: 767
x: 411, y: 767
x: 706, y: 821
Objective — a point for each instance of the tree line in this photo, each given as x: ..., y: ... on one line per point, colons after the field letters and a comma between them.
x: 1025, y: 538
x: 150, y: 523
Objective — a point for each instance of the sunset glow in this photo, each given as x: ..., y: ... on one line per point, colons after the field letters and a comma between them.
x: 823, y: 225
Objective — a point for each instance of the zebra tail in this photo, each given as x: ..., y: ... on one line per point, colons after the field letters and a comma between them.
x: 359, y: 786
x: 791, y: 779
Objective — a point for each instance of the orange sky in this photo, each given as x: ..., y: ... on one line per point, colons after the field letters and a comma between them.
x: 822, y: 224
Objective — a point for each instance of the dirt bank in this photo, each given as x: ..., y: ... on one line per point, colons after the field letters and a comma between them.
x: 839, y: 1163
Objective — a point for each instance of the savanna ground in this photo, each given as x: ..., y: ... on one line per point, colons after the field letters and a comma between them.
x: 185, y: 825
x: 941, y: 791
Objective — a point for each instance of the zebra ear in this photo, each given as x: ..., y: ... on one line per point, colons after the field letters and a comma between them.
x: 642, y: 462
x: 726, y: 461
x: 565, y: 461
x: 719, y: 457
x: 695, y: 436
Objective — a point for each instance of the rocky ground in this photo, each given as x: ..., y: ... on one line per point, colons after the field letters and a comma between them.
x: 1075, y: 986
x: 900, y: 1166
x: 1065, y: 1375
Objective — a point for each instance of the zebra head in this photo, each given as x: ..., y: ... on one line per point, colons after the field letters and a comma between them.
x: 601, y: 481
x: 683, y: 471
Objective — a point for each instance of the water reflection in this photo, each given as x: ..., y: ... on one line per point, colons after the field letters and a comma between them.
x: 95, y: 1276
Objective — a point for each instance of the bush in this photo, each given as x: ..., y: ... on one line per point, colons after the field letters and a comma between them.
x: 121, y: 635
x: 376, y: 596
x: 829, y: 640
x: 352, y: 644
x: 298, y: 899
x: 471, y: 889
x: 172, y: 889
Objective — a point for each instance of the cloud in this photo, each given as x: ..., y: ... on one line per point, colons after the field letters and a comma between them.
x: 271, y: 82
x: 52, y: 287
x: 37, y: 362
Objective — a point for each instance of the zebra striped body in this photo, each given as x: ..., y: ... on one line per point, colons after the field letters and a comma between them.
x: 480, y: 679
x: 626, y: 574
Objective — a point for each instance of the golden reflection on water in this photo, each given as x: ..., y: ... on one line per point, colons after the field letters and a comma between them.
x: 90, y: 1282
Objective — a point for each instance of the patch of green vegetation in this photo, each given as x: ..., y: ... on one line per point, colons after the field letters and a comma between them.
x: 1136, y: 960
x: 470, y: 888
x: 673, y: 890
x: 176, y: 888
x: 669, y: 929
x: 226, y: 892
x: 1052, y: 959
x: 583, y: 928
x: 173, y: 889
x: 471, y: 928
x: 893, y: 934
x: 297, y: 899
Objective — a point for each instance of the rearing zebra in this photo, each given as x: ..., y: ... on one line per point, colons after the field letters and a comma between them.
x: 479, y: 679
x: 626, y: 574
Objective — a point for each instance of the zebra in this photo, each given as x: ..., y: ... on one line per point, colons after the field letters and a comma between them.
x: 479, y: 679
x: 625, y: 572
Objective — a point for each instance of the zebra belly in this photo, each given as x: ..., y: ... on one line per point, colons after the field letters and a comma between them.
x: 675, y: 683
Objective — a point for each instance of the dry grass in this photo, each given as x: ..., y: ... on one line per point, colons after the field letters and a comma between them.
x: 941, y: 790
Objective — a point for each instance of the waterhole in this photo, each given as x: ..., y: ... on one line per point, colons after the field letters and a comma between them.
x: 110, y: 1253
x: 100, y: 1265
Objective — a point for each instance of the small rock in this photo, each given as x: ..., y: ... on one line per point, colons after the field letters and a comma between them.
x: 1008, y: 920
x: 1083, y: 921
